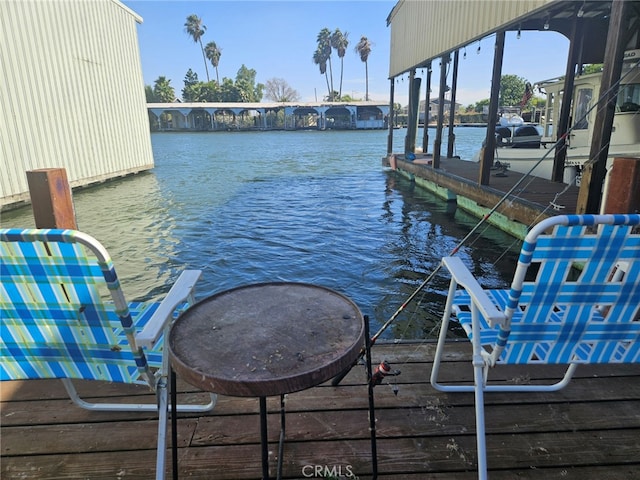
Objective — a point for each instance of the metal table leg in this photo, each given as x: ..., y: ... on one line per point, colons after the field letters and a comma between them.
x: 264, y: 441
x: 281, y: 444
x: 372, y: 409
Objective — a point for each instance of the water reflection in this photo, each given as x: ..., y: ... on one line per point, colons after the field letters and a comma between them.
x: 132, y: 220
x: 428, y: 229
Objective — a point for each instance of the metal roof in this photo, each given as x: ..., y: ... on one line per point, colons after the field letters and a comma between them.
x: 424, y: 30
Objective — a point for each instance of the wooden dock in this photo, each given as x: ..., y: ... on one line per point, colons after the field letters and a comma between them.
x: 590, y: 430
x: 532, y: 200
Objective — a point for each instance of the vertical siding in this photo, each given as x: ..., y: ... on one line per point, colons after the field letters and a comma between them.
x: 71, y: 92
x: 422, y: 30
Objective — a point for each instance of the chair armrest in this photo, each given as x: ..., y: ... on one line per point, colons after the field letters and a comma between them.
x: 461, y: 274
x: 180, y: 291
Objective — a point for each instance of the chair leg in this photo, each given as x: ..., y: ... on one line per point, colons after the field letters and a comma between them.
x: 478, y: 376
x: 442, y: 338
x: 554, y: 387
x: 163, y: 408
x: 131, y: 407
x: 435, y: 369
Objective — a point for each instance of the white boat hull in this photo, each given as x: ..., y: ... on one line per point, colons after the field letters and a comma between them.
x: 523, y: 160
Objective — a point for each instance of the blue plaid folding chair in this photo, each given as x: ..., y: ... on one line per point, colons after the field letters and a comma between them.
x: 64, y: 315
x: 582, y: 307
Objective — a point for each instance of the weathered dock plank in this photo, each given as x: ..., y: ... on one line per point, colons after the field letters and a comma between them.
x: 591, y: 429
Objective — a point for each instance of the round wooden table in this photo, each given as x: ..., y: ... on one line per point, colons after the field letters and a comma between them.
x: 265, y: 340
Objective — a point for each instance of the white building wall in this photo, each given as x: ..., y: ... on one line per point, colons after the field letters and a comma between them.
x: 71, y: 93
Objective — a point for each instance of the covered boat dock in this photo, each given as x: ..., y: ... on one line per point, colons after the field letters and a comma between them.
x: 428, y: 35
x: 230, y: 116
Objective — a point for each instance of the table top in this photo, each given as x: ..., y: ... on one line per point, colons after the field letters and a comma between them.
x: 266, y: 339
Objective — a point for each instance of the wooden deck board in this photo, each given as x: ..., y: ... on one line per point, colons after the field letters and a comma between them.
x: 591, y: 429
x: 533, y: 189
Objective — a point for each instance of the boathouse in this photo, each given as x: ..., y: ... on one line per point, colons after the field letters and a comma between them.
x: 71, y: 94
x: 428, y: 36
x: 229, y: 116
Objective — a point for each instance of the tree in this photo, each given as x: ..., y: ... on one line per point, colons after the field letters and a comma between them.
x: 190, y: 85
x: 479, y: 105
x: 340, y: 42
x: 190, y: 78
x: 249, y: 90
x: 163, y: 91
x: 324, y: 47
x: 592, y: 68
x: 208, y: 91
x: 195, y: 29
x: 332, y: 97
x: 363, y: 48
x: 512, y: 89
x: 148, y: 93
x: 278, y: 90
x: 539, y: 103
x: 213, y: 53
x: 348, y: 98
x: 227, y: 91
x: 320, y: 60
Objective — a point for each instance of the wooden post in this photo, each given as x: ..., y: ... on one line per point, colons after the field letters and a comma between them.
x: 595, y: 169
x: 560, y: 154
x: 623, y: 192
x: 452, y: 106
x: 408, y: 148
x: 427, y: 104
x: 443, y: 83
x: 391, y: 118
x: 51, y: 199
x: 412, y: 118
x: 486, y: 159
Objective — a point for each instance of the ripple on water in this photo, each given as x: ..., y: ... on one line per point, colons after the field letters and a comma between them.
x: 283, y: 206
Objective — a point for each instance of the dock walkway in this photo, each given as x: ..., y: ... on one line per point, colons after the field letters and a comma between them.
x: 533, y: 200
x: 591, y: 429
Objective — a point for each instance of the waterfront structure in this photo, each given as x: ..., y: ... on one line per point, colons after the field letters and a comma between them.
x: 227, y: 116
x: 425, y: 33
x: 72, y: 93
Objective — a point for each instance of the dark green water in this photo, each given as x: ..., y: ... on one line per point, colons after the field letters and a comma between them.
x: 311, y: 207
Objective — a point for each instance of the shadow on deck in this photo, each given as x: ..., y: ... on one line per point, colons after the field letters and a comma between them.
x: 589, y: 430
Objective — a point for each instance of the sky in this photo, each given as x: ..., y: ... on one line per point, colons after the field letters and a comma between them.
x: 278, y: 38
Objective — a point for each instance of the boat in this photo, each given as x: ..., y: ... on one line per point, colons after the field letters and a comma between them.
x: 520, y: 145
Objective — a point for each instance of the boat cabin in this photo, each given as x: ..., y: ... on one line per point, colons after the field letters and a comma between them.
x: 626, y: 123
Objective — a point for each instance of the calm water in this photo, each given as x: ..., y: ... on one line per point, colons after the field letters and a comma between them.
x: 311, y: 207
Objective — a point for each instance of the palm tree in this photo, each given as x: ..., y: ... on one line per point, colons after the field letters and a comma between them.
x: 163, y: 91
x: 213, y: 53
x: 324, y: 45
x: 320, y: 59
x: 195, y: 29
x: 363, y: 48
x: 340, y: 41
